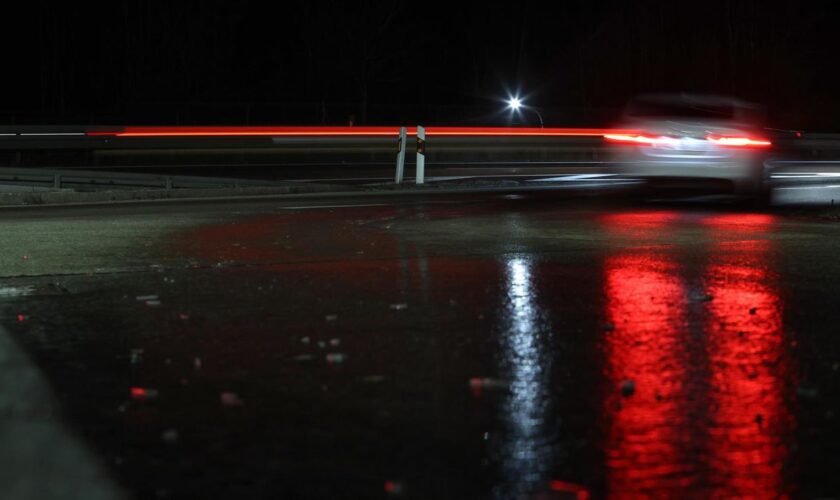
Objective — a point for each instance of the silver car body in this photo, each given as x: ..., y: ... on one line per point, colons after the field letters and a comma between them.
x: 681, y: 136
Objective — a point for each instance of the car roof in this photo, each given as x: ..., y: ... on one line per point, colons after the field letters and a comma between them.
x: 691, y: 99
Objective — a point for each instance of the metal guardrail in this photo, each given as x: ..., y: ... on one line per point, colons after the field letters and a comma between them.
x: 73, y: 148
x: 76, y: 157
x: 91, y: 179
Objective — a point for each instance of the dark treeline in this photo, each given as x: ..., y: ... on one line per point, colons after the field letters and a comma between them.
x: 375, y: 61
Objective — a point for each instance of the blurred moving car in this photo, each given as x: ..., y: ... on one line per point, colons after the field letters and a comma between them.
x: 683, y: 139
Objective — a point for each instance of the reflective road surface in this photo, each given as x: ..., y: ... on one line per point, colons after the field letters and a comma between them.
x: 444, y: 347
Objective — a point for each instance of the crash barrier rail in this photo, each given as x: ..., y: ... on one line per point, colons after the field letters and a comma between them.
x: 92, y: 179
x: 237, y: 147
x: 157, y: 147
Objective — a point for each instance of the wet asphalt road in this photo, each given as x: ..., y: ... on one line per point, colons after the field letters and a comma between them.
x: 444, y: 347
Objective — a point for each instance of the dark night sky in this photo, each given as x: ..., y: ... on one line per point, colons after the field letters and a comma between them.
x: 209, y: 62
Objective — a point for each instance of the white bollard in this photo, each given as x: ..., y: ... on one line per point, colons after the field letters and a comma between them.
x: 421, y: 155
x: 401, y: 141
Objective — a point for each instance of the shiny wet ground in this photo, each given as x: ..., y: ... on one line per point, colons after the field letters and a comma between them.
x: 474, y: 348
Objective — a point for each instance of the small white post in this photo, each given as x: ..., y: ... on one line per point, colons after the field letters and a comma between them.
x: 401, y: 142
x: 421, y: 155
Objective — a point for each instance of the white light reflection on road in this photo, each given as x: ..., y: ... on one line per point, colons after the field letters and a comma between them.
x: 526, y: 450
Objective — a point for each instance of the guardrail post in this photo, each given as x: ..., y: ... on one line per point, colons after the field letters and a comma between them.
x: 421, y: 155
x: 56, y: 181
x: 400, y: 156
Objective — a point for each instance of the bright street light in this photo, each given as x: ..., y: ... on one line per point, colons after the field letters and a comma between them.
x: 515, y: 104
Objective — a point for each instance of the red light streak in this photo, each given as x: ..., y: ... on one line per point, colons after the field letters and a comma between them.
x: 246, y: 131
x: 511, y: 131
x: 344, y: 132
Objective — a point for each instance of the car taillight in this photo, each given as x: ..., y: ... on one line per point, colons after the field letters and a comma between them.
x: 639, y: 139
x: 738, y: 141
x: 657, y: 140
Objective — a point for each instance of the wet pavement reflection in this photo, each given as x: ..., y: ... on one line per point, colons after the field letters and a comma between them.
x: 751, y: 376
x: 513, y: 350
x: 708, y: 410
x: 526, y: 449
x: 646, y: 365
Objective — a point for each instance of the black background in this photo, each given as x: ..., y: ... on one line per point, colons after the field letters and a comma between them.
x: 384, y: 62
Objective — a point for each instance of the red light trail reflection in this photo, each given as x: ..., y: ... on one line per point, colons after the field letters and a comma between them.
x: 747, y: 357
x: 646, y: 304
x: 638, y: 223
x: 737, y: 373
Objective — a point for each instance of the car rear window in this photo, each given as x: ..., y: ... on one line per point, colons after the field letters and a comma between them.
x: 648, y: 109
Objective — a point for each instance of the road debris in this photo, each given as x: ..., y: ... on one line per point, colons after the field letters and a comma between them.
x: 170, y: 436
x: 393, y: 487
x: 143, y: 393
x: 579, y: 492
x: 807, y: 392
x: 336, y: 358
x: 230, y: 399
x: 136, y: 356
x: 480, y: 384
